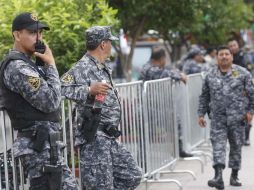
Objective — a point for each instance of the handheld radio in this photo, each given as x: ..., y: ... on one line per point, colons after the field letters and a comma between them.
x: 39, y: 47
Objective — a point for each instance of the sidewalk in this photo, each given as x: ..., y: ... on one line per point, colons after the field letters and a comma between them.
x: 245, y: 175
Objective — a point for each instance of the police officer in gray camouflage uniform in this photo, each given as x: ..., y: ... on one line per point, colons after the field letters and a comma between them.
x: 31, y: 95
x: 105, y: 163
x: 155, y: 68
x: 228, y: 93
x: 194, y: 63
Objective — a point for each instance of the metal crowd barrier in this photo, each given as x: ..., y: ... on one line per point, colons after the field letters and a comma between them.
x: 159, y: 123
x: 11, y: 174
x: 182, y: 113
x: 149, y: 128
x: 131, y: 125
x: 196, y: 137
x: 196, y: 134
x: 71, y: 155
x: 4, y: 161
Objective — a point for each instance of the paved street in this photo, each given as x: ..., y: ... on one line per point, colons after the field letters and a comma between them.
x: 246, y: 174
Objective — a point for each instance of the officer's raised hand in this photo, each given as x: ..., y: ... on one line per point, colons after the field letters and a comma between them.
x: 47, y: 57
x: 99, y: 88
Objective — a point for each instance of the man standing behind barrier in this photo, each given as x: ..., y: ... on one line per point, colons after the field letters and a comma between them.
x: 226, y: 91
x: 31, y: 95
x: 105, y: 163
x: 194, y: 62
x: 155, y: 68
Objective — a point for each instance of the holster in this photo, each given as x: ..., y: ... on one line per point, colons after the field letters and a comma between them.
x: 54, y: 170
x: 54, y: 139
x: 89, y: 121
x: 40, y: 137
x: 54, y: 176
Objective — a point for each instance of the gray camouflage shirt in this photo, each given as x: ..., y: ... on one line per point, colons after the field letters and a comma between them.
x: 174, y: 74
x: 152, y: 72
x: 44, y: 95
x: 230, y: 94
x: 75, y: 85
x: 191, y: 67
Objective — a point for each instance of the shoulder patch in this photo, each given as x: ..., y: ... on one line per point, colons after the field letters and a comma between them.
x: 235, y: 73
x: 34, y: 82
x: 249, y: 66
x: 67, y: 78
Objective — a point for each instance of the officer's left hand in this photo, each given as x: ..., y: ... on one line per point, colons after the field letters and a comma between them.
x: 47, y: 56
x: 249, y: 117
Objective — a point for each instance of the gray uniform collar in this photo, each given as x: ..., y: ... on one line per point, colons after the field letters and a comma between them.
x: 100, y: 66
x: 16, y: 51
x: 232, y: 72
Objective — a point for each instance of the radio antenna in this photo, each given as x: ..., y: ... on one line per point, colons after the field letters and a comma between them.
x: 37, y: 28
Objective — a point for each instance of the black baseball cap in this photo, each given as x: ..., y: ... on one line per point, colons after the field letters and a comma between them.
x: 27, y: 21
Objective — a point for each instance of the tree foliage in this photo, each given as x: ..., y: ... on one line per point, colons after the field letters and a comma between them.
x: 205, y: 21
x: 67, y: 19
x: 218, y: 20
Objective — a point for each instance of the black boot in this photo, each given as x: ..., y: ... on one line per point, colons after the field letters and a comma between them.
x: 234, y: 181
x: 182, y: 153
x: 217, y: 181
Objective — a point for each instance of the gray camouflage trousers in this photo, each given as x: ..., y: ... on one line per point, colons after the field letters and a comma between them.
x: 32, y: 164
x: 107, y: 165
x: 221, y: 131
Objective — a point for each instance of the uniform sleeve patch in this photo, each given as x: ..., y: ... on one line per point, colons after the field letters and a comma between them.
x: 235, y: 73
x: 34, y: 82
x: 249, y: 66
x: 67, y: 79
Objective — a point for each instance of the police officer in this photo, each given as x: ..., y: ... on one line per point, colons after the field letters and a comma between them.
x: 242, y: 59
x: 31, y: 96
x: 105, y: 163
x: 194, y: 62
x: 156, y: 69
x: 226, y: 91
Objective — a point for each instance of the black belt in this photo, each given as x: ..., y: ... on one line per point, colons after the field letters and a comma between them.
x: 27, y: 134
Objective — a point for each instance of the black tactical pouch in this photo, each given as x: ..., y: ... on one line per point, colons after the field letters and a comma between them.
x: 54, y: 175
x: 42, y: 134
x: 89, y: 122
x: 54, y: 170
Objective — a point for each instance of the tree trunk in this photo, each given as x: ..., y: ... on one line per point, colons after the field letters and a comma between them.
x: 134, y: 36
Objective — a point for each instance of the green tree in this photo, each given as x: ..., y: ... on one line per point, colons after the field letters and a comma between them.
x: 205, y: 21
x: 138, y: 16
x: 67, y: 19
x: 218, y: 20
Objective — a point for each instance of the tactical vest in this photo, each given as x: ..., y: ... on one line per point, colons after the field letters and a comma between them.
x: 22, y: 114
